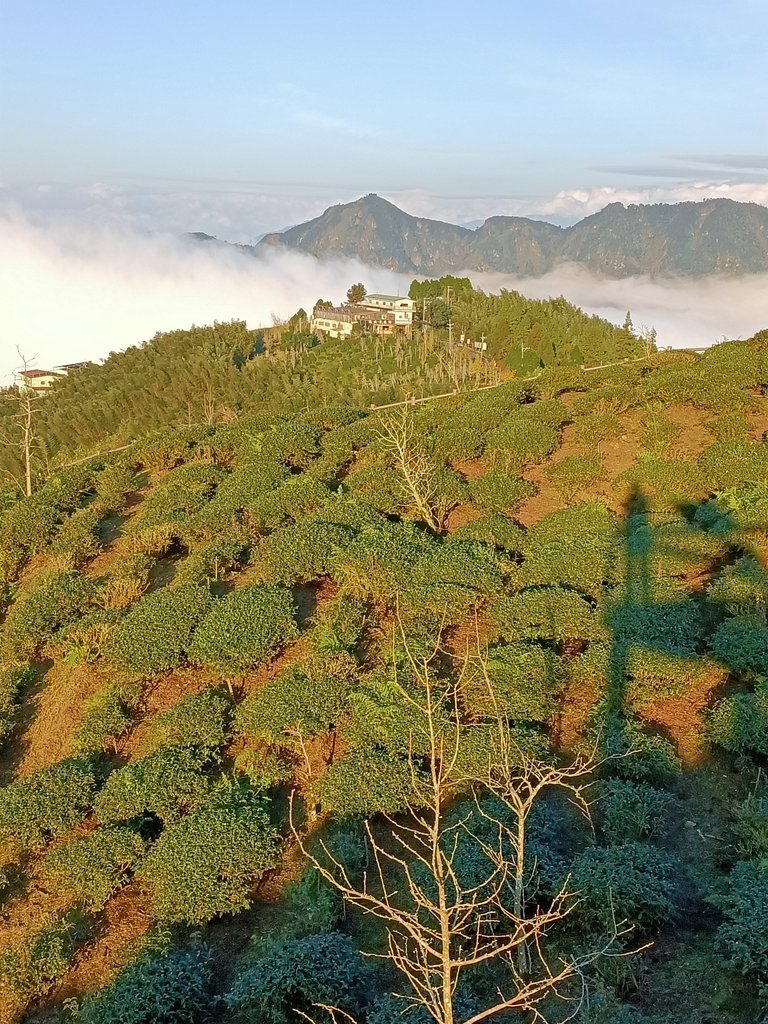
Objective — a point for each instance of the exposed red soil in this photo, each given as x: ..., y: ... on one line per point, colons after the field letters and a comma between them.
x: 118, y: 931
x: 460, y: 516
x: 161, y: 694
x: 759, y: 421
x: 682, y: 720
x: 53, y: 713
x: 578, y: 702
x: 694, y: 436
x: 470, y: 469
x: 617, y: 453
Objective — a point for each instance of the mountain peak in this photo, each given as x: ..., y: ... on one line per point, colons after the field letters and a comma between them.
x: 619, y: 241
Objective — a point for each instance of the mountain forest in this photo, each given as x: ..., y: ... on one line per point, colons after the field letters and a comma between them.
x: 386, y: 680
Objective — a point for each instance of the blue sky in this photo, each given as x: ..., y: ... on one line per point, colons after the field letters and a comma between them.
x: 300, y: 99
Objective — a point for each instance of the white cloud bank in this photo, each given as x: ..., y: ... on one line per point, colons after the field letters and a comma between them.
x: 68, y: 293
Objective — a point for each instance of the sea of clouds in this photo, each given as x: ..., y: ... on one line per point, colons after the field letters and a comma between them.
x: 74, y: 287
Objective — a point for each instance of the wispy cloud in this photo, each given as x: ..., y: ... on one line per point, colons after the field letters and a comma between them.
x: 747, y: 162
x: 305, y: 108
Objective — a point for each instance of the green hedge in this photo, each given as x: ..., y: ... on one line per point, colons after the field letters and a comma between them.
x: 207, y: 863
x: 90, y: 868
x: 199, y: 720
x: 171, y: 986
x: 157, y: 631
x: 167, y: 782
x: 243, y: 629
x: 44, y: 804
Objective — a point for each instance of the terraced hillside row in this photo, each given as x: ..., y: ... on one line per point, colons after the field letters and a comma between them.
x: 220, y: 616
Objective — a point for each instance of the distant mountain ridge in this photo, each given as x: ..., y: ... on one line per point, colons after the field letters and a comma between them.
x: 693, y: 239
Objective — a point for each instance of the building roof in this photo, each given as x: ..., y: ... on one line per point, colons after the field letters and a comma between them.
x: 387, y: 298
x: 40, y: 373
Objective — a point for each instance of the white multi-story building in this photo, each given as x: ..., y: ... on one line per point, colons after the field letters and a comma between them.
x: 379, y: 314
x: 402, y: 307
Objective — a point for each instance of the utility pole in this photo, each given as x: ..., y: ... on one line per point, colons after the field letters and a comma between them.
x: 450, y: 332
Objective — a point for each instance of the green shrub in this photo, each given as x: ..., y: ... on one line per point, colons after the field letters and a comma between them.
x: 85, y: 639
x: 57, y: 598
x: 45, y: 803
x: 631, y: 881
x: 170, y: 986
x: 297, y: 498
x: 77, y: 539
x: 450, y: 579
x: 340, y: 625
x: 630, y: 811
x: 127, y: 581
x: 33, y: 966
x: 743, y: 938
x: 106, y: 715
x: 598, y: 426
x: 199, y: 720
x: 494, y: 529
x: 520, y: 440
x: 207, y: 863
x: 113, y: 485
x: 587, y: 519
x: 299, y: 553
x: 157, y: 631
x: 14, y: 679
x: 667, y: 482
x: 497, y: 491
x: 243, y: 629
x: 654, y: 675
x: 731, y: 426
x: 585, y: 563
x: 457, y: 442
x: 546, y: 613
x: 741, y: 644
x: 212, y: 561
x: 731, y: 463
x: 256, y: 476
x: 523, y: 681
x: 305, y: 699
x: 674, y: 627
x: 390, y: 715
x: 575, y: 473
x: 367, y: 781
x: 378, y: 564
x: 296, y: 975
x: 631, y: 753
x: 294, y: 442
x: 659, y: 431
x: 751, y: 824
x: 167, y: 782
x: 91, y: 868
x: 378, y: 485
x: 739, y: 723
x: 742, y: 589
x: 164, y: 449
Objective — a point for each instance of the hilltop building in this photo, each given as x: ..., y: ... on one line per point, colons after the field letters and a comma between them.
x: 378, y: 314
x: 41, y: 381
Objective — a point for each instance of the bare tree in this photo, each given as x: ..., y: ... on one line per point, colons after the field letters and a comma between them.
x: 416, y: 469
x: 21, y: 436
x: 440, y: 924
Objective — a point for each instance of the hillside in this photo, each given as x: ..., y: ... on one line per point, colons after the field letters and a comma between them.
x: 347, y: 605
x: 216, y: 372
x: 717, y: 236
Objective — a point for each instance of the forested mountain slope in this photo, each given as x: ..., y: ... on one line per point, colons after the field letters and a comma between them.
x: 717, y: 236
x: 329, y: 602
